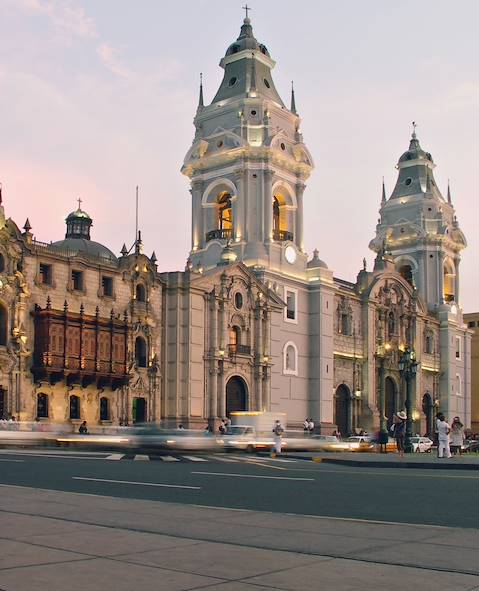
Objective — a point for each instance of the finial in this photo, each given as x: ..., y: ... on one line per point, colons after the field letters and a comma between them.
x: 123, y: 250
x: 383, y: 197
x: 364, y: 264
x: 82, y: 309
x: 153, y: 258
x: 1, y: 200
x: 449, y: 200
x: 79, y: 202
x: 246, y: 8
x: 201, y: 103
x: 27, y: 226
x: 49, y: 303
x: 315, y: 253
x: 414, y: 125
x: 65, y: 306
x: 293, y: 102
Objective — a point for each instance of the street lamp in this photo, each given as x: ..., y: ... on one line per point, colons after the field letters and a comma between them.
x: 407, y: 369
x: 383, y: 351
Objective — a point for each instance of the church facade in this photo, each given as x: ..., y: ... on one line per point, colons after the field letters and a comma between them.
x: 251, y: 323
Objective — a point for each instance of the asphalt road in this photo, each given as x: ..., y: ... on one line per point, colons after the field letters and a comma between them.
x: 434, y: 497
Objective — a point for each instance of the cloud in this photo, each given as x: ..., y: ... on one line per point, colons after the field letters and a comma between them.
x: 64, y: 15
x: 109, y: 57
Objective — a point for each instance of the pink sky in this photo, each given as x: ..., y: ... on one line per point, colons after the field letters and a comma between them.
x: 98, y: 97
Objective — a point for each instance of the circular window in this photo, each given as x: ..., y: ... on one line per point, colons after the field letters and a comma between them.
x: 255, y: 176
x: 266, y: 83
x: 238, y: 300
x: 219, y: 143
x: 282, y: 146
x: 408, y: 181
x: 429, y: 208
x: 431, y: 256
x: 232, y: 81
x: 253, y: 112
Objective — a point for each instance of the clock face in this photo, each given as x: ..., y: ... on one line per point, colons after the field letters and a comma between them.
x: 290, y: 254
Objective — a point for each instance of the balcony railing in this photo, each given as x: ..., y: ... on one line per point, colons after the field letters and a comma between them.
x: 282, y: 235
x: 239, y: 350
x: 220, y: 233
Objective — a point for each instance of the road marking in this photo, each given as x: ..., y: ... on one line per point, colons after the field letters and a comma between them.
x: 222, y: 459
x: 142, y: 458
x: 168, y: 459
x: 115, y: 457
x: 5, y: 460
x: 55, y: 451
x: 411, y: 474
x: 252, y: 476
x: 136, y: 483
x: 195, y: 458
x: 61, y: 457
x: 264, y: 465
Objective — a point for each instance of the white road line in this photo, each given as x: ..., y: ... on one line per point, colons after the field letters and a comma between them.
x: 195, y: 458
x: 222, y: 459
x: 115, y: 457
x: 61, y: 457
x: 168, y: 459
x: 142, y: 458
x: 136, y: 483
x: 252, y: 476
x: 57, y: 452
x: 4, y: 460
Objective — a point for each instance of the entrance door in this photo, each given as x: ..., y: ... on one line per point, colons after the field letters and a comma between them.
x: 236, y: 395
x: 3, y: 403
x: 342, y: 407
x: 428, y: 410
x: 390, y: 400
x: 139, y: 410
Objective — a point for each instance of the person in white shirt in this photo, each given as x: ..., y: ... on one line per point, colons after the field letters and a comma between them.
x: 443, y: 430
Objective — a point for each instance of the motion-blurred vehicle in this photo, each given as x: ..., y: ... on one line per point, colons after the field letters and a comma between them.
x: 151, y: 437
x: 329, y: 443
x: 421, y: 444
x: 27, y: 433
x: 360, y: 443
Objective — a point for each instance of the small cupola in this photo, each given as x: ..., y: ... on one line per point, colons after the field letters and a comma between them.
x: 78, y: 224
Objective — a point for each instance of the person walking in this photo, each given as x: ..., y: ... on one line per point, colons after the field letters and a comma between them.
x: 399, y: 431
x: 277, y: 435
x: 457, y: 436
x: 443, y: 430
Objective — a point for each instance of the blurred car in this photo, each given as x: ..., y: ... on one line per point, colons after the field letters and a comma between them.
x: 245, y: 438
x: 27, y: 433
x: 421, y: 444
x: 151, y: 437
x: 470, y: 445
x: 329, y: 443
x: 360, y: 443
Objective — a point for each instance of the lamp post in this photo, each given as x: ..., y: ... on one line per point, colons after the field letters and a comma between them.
x: 382, y: 352
x: 407, y: 369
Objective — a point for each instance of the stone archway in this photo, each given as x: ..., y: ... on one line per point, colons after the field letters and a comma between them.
x: 343, y: 410
x: 428, y: 410
x: 236, y: 395
x: 139, y: 414
x: 390, y: 399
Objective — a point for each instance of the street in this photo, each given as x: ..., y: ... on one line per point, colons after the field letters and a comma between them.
x: 237, y: 481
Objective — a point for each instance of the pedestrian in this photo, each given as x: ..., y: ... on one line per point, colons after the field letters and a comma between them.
x: 443, y: 430
x: 180, y: 427
x: 311, y: 426
x: 208, y: 429
x: 222, y: 428
x: 337, y: 433
x: 457, y: 436
x: 83, y: 430
x: 278, y: 434
x: 306, y: 426
x: 399, y: 431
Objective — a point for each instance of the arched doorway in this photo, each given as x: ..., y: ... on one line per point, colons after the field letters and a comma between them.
x: 390, y: 399
x: 139, y: 410
x: 236, y: 395
x: 342, y: 410
x: 428, y: 410
x: 3, y: 404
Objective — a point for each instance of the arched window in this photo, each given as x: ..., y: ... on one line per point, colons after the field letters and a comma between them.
x: 290, y: 359
x: 449, y: 281
x: 140, y: 352
x: 2, y: 263
x: 238, y: 300
x: 391, y: 324
x: 3, y: 325
x: 42, y: 406
x: 225, y: 215
x: 235, y: 338
x: 104, y: 409
x: 74, y: 407
x: 406, y: 273
x: 140, y: 293
x: 280, y: 222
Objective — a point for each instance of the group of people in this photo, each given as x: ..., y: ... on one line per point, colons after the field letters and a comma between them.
x: 450, y: 438
x: 308, y: 426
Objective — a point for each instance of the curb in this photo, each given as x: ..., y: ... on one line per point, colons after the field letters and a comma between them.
x: 396, y: 464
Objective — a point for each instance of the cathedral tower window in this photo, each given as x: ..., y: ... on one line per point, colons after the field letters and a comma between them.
x: 140, y: 352
x: 107, y: 286
x: 104, y: 409
x: 238, y: 300
x: 291, y: 314
x: 280, y: 231
x: 42, y: 406
x: 235, y: 338
x: 140, y: 293
x: 406, y: 273
x: 223, y: 224
x: 449, y: 280
x: 290, y: 359
x: 3, y: 325
x: 45, y: 274
x: 77, y: 280
x: 74, y: 407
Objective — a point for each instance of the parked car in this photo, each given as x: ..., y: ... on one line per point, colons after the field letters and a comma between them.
x: 421, y: 444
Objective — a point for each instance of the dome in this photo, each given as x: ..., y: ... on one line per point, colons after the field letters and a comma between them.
x: 78, y: 214
x: 415, y: 152
x: 316, y: 262
x: 246, y: 40
x: 89, y: 247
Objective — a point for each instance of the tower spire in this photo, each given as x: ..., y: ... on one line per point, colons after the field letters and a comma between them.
x: 383, y: 196
x: 449, y: 200
x: 1, y: 199
x: 201, y: 103
x: 414, y: 125
x: 293, y: 101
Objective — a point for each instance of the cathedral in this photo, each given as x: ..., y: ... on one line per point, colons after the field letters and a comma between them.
x: 252, y: 322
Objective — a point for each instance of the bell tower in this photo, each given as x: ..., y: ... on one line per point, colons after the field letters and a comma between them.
x: 248, y: 166
x: 419, y: 228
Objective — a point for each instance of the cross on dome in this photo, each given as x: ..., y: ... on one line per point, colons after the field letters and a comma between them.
x: 246, y: 8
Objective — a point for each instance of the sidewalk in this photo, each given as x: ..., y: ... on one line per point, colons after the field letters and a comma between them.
x: 55, y: 540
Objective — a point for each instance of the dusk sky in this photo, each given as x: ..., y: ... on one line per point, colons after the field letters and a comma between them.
x: 97, y: 97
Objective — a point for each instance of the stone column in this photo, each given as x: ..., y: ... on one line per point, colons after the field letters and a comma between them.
x: 212, y: 373
x: 257, y: 403
x: 456, y: 279
x: 268, y: 205
x: 440, y: 263
x: 239, y: 208
x: 266, y: 390
x: 298, y: 234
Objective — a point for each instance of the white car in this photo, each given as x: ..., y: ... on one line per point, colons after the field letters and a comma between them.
x: 421, y: 444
